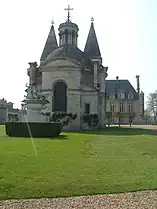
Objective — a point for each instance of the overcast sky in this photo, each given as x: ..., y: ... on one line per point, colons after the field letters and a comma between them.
x: 126, y: 32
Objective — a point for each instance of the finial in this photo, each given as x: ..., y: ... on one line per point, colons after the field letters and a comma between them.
x: 92, y: 19
x: 68, y: 9
x: 52, y: 22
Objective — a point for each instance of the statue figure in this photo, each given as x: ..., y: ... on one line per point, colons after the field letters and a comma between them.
x: 32, y: 72
x: 29, y: 92
x: 34, y: 93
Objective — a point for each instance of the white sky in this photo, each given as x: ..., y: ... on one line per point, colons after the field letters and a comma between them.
x: 126, y: 32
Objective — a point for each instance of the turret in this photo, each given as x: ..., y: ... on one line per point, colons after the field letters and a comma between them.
x: 92, y: 47
x: 92, y: 51
x: 50, y: 45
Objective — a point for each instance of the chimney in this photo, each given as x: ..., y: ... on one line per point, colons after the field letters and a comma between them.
x: 138, y: 83
x: 117, y: 77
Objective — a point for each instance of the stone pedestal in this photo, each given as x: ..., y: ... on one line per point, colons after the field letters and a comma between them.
x: 34, y: 108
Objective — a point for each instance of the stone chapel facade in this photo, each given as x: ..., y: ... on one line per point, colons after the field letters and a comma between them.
x: 73, y: 80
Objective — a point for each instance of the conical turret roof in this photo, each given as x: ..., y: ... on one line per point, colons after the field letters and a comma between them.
x: 92, y: 47
x: 51, y: 44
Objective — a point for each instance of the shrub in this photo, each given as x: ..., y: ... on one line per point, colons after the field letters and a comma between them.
x: 61, y: 117
x: 91, y: 119
x: 22, y: 129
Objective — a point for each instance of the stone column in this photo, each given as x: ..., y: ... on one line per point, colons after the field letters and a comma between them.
x: 70, y: 38
x: 103, y: 75
x: 95, y: 74
x: 102, y: 82
x: 102, y: 99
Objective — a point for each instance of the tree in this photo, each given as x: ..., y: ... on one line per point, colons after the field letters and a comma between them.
x: 118, y: 115
x: 109, y: 116
x: 152, y: 105
x: 147, y: 116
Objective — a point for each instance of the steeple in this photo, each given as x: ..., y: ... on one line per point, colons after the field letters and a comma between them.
x: 51, y: 44
x: 92, y: 47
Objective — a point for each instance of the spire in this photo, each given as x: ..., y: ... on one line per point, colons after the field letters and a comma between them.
x: 51, y: 43
x: 92, y: 47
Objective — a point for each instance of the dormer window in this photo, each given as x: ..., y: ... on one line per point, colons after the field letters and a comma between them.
x: 121, y: 95
x: 112, y: 96
x: 130, y: 96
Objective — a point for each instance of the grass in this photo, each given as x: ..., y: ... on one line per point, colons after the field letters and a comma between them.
x: 109, y: 161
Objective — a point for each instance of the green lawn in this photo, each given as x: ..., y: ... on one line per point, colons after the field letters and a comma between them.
x: 109, y: 161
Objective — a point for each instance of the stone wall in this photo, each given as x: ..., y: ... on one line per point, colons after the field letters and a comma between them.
x: 136, y: 108
x: 70, y: 74
x: 77, y: 94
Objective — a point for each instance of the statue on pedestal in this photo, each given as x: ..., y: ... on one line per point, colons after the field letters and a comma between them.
x: 34, y: 93
x: 32, y: 73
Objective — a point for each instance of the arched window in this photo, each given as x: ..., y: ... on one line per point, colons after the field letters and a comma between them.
x: 60, y: 97
x: 112, y: 96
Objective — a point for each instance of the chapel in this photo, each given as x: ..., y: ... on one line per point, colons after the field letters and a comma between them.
x: 72, y: 79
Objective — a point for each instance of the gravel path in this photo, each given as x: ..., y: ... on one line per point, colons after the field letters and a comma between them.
x: 134, y: 200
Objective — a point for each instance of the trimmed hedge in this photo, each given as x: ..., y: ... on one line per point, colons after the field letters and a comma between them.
x: 22, y: 129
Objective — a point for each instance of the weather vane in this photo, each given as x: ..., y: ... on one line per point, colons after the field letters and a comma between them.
x: 68, y: 9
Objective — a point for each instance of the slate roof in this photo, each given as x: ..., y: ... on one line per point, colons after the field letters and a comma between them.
x: 92, y: 47
x: 69, y: 51
x: 87, y: 78
x: 113, y: 86
x: 50, y: 45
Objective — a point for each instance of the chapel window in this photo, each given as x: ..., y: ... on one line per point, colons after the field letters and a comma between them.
x: 87, y: 108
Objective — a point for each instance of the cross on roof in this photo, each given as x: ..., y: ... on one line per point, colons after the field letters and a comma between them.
x: 68, y: 9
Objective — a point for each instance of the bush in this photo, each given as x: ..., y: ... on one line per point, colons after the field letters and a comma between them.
x: 61, y: 117
x: 22, y: 129
x: 91, y: 119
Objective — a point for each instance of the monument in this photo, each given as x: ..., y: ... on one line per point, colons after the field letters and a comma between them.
x: 33, y: 123
x: 34, y: 101
x: 33, y: 104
